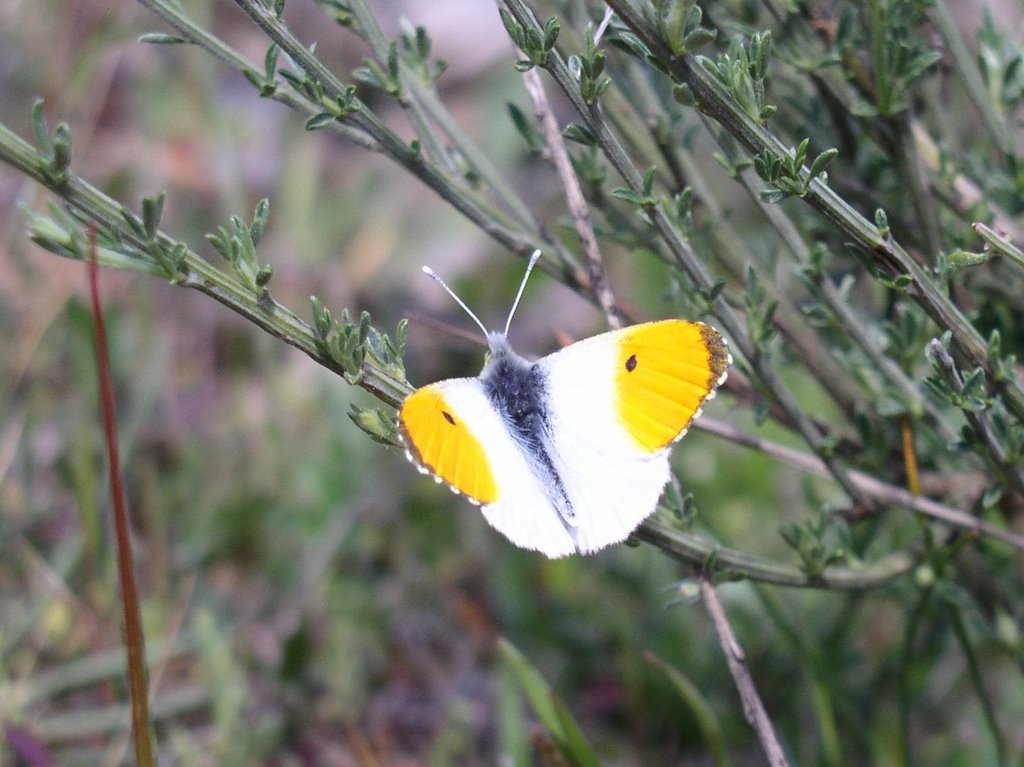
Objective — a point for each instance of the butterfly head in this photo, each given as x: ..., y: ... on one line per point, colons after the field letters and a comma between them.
x: 497, y: 344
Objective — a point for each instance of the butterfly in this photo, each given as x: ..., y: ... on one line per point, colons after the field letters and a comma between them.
x: 570, y: 453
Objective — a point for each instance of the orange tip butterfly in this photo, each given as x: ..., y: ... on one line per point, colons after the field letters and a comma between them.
x: 569, y: 453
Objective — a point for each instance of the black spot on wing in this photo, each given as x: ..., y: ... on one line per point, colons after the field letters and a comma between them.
x: 448, y: 417
x: 631, y: 363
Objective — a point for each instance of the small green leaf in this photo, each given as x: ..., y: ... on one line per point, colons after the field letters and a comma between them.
x: 581, y: 134
x: 963, y: 259
x: 704, y: 715
x: 822, y: 161
x: 683, y: 94
x: 159, y: 38
x: 318, y: 121
x: 270, y: 61
x: 882, y: 223
x: 773, y: 196
x: 551, y: 30
x: 649, y: 180
x: 39, y: 127
x: 259, y: 221
x: 992, y: 496
x: 627, y: 195
x: 514, y: 28
x: 61, y: 159
x: 564, y: 730
x: 321, y: 319
x: 381, y: 428
x: 257, y: 81
x: 152, y: 211
x: 699, y: 38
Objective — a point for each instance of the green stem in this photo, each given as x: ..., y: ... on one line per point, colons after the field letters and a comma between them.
x: 697, y: 551
x: 818, y: 676
x: 171, y: 13
x: 995, y: 451
x: 730, y: 249
x: 362, y: 127
x: 423, y: 103
x: 988, y: 710
x: 847, y: 317
x: 879, y: 252
x: 878, y: 30
x: 687, y: 259
x: 906, y: 671
x: 408, y: 99
x: 197, y: 273
x: 490, y: 220
x: 1000, y: 244
x: 966, y: 67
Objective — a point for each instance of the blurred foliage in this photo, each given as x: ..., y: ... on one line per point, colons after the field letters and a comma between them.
x: 839, y: 186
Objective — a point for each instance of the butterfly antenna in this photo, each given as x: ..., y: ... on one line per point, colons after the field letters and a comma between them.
x: 522, y: 286
x: 437, y: 278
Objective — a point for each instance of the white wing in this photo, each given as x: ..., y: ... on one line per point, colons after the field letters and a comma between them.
x: 522, y: 511
x: 612, y: 483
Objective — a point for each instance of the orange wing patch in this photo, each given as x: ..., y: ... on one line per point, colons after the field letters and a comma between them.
x: 439, y: 441
x: 665, y: 371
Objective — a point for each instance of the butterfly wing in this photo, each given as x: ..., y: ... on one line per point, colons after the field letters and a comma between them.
x: 616, y: 402
x: 452, y: 431
x: 613, y: 405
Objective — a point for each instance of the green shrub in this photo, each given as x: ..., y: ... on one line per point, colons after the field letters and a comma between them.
x: 837, y: 187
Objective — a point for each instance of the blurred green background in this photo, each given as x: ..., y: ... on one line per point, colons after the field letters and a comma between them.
x: 311, y: 598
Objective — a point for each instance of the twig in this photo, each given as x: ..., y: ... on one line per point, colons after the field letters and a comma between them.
x: 197, y: 273
x: 573, y: 196
x: 172, y: 13
x: 407, y: 98
x: 686, y: 258
x: 966, y: 67
x: 877, y: 249
x: 696, y: 550
x: 753, y: 708
x: 995, y: 451
x: 910, y: 455
x: 988, y: 709
x: 870, y: 486
x: 134, y: 637
x: 839, y: 305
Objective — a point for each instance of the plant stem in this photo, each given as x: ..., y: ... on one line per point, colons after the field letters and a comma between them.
x: 696, y: 550
x: 408, y: 99
x: 172, y: 13
x: 685, y: 257
x: 906, y: 669
x: 197, y: 273
x: 966, y: 67
x: 881, y: 253
x: 490, y: 220
x: 599, y: 287
x: 979, y: 422
x: 135, y: 640
x: 753, y: 708
x: 872, y: 487
x: 987, y: 709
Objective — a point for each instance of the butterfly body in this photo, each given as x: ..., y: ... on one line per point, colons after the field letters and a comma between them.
x: 569, y: 453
